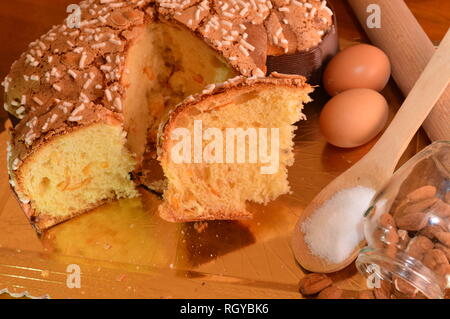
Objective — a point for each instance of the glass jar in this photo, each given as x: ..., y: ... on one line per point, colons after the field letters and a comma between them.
x: 407, y: 229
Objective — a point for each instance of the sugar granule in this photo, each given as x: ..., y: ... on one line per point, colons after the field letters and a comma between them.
x: 334, y: 230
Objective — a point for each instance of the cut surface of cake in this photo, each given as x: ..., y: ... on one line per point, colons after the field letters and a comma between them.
x: 229, y: 146
x: 166, y: 64
x: 74, y: 172
x: 89, y: 98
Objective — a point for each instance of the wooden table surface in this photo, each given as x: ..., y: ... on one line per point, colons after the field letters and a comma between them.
x: 22, y: 21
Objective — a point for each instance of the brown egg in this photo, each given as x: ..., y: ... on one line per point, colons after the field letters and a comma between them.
x: 359, y: 66
x: 354, y: 117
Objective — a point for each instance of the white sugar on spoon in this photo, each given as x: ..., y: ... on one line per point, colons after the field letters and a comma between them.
x: 336, y: 228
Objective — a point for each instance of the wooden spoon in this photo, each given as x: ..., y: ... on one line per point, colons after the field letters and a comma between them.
x: 377, y: 167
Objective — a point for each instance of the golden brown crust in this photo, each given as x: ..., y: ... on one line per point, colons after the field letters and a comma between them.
x: 289, y: 26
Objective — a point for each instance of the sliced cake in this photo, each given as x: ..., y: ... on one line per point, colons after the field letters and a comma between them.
x: 89, y: 98
x: 230, y: 145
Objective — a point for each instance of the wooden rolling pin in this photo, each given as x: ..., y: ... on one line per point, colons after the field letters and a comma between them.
x: 405, y: 42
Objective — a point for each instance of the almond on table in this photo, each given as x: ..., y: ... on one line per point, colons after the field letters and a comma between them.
x: 314, y: 283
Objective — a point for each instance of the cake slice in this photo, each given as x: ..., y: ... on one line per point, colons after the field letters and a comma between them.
x: 230, y: 145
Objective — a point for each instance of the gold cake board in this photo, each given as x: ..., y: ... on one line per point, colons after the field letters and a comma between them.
x: 124, y: 250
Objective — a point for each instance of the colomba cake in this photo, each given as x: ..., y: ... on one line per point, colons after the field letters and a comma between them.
x: 89, y: 98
